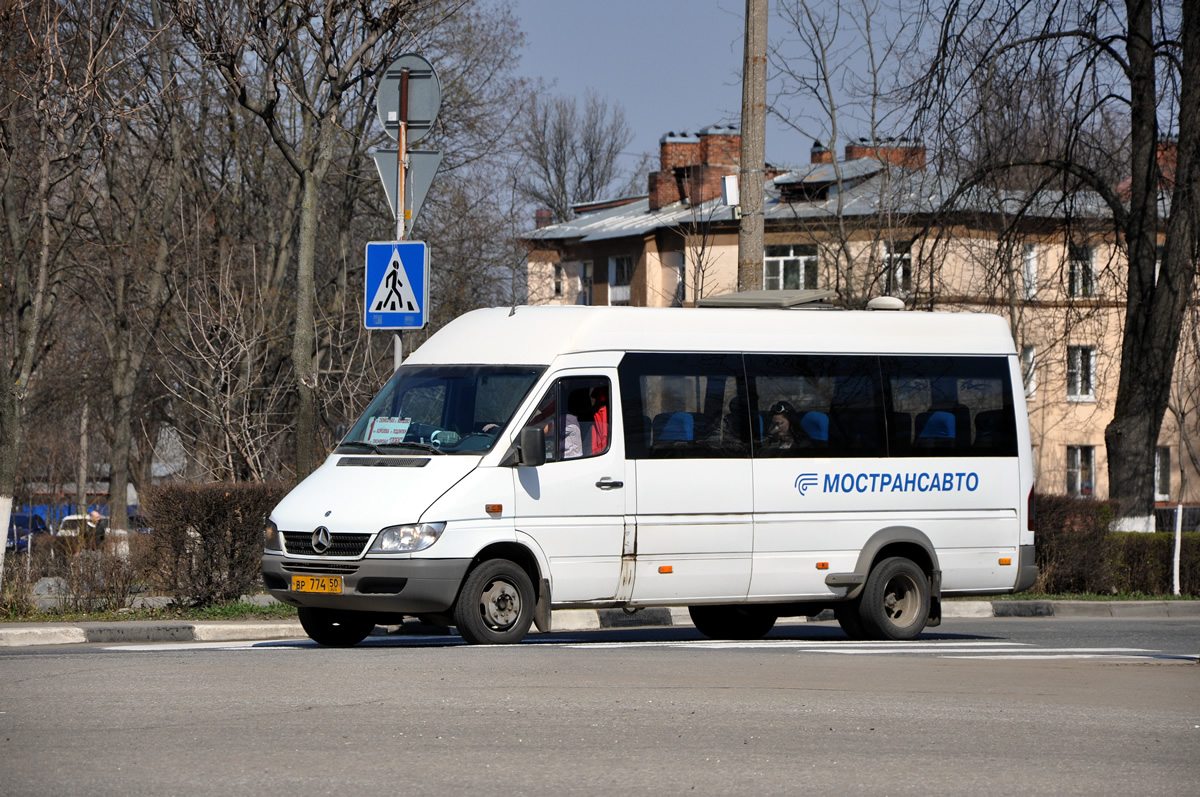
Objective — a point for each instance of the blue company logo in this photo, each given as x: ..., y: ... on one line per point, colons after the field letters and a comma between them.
x: 911, y: 482
x: 806, y: 480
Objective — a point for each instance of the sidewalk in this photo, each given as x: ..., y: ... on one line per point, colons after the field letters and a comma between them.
x: 30, y: 634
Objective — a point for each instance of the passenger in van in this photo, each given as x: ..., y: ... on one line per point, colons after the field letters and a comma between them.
x: 577, y: 408
x: 781, y: 434
x: 599, y: 418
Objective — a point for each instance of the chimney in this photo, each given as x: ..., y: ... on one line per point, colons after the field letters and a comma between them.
x: 721, y: 145
x: 905, y: 152
x: 820, y: 153
x: 544, y: 217
x: 678, y: 149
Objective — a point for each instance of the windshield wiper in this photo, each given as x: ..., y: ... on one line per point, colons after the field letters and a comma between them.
x: 369, y: 446
x: 432, y: 449
x: 379, y: 449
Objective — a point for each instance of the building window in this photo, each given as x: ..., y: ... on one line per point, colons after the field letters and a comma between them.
x: 558, y: 279
x: 586, y: 277
x: 790, y: 267
x: 1029, y: 370
x: 1081, y: 465
x: 898, y: 267
x: 1162, y: 474
x: 620, y: 279
x: 1081, y: 373
x: 1082, y: 275
x: 1029, y: 270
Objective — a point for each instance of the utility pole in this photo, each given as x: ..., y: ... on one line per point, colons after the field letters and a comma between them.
x: 754, y: 147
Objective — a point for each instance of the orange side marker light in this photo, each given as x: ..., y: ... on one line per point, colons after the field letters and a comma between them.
x: 664, y: 569
x: 822, y: 565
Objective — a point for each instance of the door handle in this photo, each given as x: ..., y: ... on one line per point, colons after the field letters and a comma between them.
x: 608, y: 483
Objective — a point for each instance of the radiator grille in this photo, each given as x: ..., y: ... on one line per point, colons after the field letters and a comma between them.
x: 300, y: 544
x: 321, y: 568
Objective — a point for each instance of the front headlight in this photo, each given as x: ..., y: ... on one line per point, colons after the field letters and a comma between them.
x: 406, y: 539
x: 273, y: 541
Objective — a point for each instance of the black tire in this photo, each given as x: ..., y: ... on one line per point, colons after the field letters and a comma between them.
x: 335, y: 629
x: 495, y: 606
x: 848, y: 618
x: 732, y: 622
x: 895, y: 602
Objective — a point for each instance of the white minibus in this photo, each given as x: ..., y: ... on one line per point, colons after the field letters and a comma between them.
x: 748, y: 464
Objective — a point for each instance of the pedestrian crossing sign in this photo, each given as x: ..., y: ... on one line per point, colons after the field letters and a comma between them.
x: 397, y: 285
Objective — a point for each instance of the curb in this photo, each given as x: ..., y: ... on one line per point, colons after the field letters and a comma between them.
x: 27, y: 635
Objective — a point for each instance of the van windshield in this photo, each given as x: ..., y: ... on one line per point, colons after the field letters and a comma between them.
x: 441, y: 409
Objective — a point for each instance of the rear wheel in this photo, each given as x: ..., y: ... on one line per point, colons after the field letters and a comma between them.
x: 335, y: 629
x: 895, y: 601
x: 496, y: 604
x: 732, y: 622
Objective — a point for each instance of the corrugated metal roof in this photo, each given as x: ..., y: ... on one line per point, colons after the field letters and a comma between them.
x: 898, y: 191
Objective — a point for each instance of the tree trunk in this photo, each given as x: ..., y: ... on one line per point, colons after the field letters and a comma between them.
x: 304, y: 334
x: 1155, y: 307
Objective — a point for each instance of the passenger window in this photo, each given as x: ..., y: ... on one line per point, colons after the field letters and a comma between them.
x: 950, y: 406
x: 684, y: 406
x: 816, y: 405
x: 574, y: 415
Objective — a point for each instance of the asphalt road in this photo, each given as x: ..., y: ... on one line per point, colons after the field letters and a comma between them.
x: 976, y: 707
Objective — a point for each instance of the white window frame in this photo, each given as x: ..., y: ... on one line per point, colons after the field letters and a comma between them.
x: 897, y: 262
x: 1081, y: 463
x: 1029, y: 258
x: 1081, y: 373
x: 1081, y: 271
x: 620, y: 279
x: 1162, y: 473
x: 775, y: 265
x: 586, y: 278
x: 1029, y: 370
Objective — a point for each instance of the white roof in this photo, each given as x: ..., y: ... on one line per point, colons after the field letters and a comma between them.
x: 536, y: 335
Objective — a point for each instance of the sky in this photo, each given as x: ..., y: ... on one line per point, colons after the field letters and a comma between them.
x: 675, y: 65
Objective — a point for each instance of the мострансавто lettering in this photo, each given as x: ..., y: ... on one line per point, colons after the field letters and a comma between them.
x: 922, y: 482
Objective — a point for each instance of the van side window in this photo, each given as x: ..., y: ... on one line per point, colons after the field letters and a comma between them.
x: 573, y: 414
x: 813, y: 405
x: 950, y: 406
x: 684, y: 406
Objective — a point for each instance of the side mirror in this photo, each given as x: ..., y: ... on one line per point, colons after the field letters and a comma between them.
x: 532, y: 445
x: 340, y: 432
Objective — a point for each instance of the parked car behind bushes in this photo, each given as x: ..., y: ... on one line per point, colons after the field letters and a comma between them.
x: 21, y: 528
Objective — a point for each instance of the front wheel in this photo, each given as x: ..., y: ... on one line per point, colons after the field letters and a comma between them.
x: 895, y: 601
x: 496, y: 604
x: 732, y: 622
x: 335, y: 629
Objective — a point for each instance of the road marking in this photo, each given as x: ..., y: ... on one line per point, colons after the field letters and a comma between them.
x: 949, y: 649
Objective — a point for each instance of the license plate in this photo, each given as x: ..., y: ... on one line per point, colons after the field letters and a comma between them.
x: 331, y: 584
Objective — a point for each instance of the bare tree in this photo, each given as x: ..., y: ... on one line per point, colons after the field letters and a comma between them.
x: 1137, y: 61
x: 570, y: 156
x: 314, y: 55
x: 53, y: 103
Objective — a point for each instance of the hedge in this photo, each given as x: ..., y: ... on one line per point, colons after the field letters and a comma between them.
x: 1076, y: 553
x: 208, y: 538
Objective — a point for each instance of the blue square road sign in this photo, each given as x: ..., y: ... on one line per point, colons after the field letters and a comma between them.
x: 396, y: 285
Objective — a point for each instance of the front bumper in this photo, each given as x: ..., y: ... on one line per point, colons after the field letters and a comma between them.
x: 397, y: 586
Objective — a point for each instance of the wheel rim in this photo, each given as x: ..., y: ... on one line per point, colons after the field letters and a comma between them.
x: 902, y: 600
x: 500, y: 605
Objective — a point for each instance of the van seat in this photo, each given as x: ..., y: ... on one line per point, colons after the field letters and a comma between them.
x: 673, y: 427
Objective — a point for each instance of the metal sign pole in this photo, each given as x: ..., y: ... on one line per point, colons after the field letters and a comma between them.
x: 401, y: 166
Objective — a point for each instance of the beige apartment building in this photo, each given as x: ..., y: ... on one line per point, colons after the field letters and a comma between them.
x: 877, y: 223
